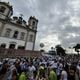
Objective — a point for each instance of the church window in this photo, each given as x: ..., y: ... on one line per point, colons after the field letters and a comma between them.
x: 7, y: 32
x: 2, y: 9
x: 31, y: 38
x: 22, y: 35
x: 15, y: 35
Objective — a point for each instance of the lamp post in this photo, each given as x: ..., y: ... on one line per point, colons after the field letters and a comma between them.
x: 41, y: 46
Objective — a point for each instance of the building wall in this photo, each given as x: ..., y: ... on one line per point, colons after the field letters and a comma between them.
x: 31, y: 33
x: 14, y: 28
x: 26, y: 42
x: 30, y: 44
x: 8, y: 41
x: 18, y: 53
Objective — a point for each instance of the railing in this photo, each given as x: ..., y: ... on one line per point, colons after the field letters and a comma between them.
x: 18, y: 53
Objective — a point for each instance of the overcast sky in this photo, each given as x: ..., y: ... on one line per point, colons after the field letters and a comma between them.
x: 59, y: 20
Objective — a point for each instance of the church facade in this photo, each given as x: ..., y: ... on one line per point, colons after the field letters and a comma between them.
x: 15, y: 32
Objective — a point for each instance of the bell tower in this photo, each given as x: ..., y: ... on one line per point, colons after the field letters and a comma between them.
x: 6, y: 11
x: 32, y: 22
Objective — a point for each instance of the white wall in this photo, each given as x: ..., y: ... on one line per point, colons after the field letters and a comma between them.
x: 8, y: 41
x: 30, y: 32
x: 13, y: 28
x: 11, y: 39
x: 29, y: 46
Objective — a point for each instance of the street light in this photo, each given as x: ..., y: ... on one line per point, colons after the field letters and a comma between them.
x: 41, y: 46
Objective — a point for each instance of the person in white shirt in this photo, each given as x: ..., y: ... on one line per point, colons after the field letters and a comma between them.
x: 64, y: 74
x: 31, y: 69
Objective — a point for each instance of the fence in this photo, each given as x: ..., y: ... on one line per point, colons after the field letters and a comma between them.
x: 18, y: 53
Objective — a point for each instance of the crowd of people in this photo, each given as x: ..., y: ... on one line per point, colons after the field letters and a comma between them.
x: 40, y: 68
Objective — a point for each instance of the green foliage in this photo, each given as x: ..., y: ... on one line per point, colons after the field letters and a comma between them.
x: 60, y: 50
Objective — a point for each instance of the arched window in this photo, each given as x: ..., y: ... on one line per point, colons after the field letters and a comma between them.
x: 15, y: 35
x: 7, y: 32
x: 3, y: 45
x: 2, y: 9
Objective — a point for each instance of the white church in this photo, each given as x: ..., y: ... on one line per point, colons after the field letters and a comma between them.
x: 15, y: 32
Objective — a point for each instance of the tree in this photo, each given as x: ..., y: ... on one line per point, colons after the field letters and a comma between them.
x: 77, y: 47
x: 60, y: 50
